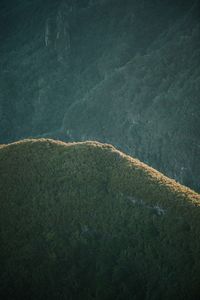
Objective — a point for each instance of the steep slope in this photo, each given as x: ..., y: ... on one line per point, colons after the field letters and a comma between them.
x: 150, y: 106
x: 124, y: 72
x: 85, y: 221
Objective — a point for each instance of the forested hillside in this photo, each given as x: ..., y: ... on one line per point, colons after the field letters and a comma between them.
x: 123, y: 72
x: 85, y: 221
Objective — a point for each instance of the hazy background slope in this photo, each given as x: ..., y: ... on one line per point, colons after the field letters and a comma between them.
x: 124, y: 72
x: 85, y: 221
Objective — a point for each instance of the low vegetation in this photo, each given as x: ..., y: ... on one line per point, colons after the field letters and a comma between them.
x: 85, y: 221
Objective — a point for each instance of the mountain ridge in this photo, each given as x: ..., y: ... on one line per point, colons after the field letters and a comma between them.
x: 86, y: 221
x: 122, y: 72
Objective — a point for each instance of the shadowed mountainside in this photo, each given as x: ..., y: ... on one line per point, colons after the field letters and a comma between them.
x: 85, y: 221
x: 124, y: 72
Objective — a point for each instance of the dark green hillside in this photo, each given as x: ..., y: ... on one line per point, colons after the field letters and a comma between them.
x: 125, y: 72
x: 85, y: 221
x: 149, y: 106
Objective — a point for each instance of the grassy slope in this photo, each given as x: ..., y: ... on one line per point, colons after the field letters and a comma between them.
x: 85, y: 221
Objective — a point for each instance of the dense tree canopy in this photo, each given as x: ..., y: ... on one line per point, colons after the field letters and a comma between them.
x: 85, y: 221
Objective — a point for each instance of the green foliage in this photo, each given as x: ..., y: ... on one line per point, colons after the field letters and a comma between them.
x: 130, y: 77
x: 85, y: 221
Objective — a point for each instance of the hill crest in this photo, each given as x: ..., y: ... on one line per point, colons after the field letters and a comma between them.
x: 148, y: 171
x: 85, y: 221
